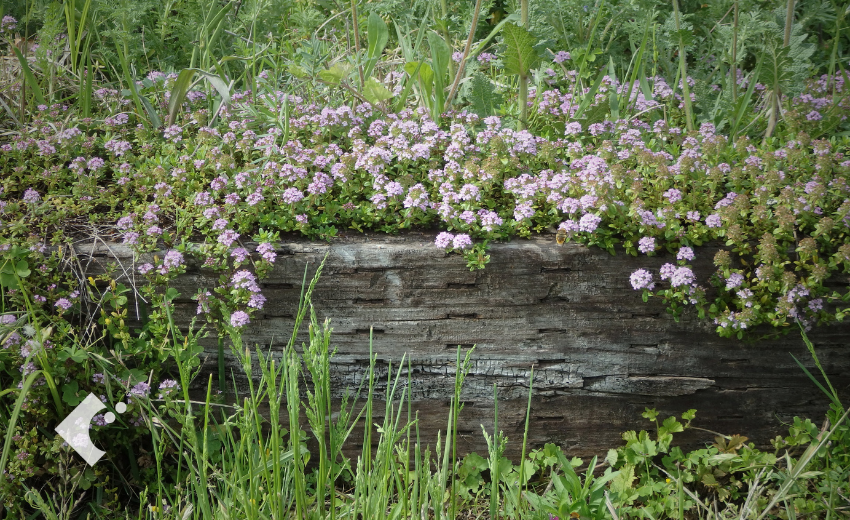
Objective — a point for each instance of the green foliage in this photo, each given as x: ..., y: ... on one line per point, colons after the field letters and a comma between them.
x: 520, y: 56
x: 481, y: 95
x: 785, y: 69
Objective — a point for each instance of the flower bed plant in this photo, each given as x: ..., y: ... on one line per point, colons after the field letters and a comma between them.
x: 642, y: 185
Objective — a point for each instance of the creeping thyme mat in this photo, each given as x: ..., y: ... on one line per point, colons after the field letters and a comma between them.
x: 780, y: 207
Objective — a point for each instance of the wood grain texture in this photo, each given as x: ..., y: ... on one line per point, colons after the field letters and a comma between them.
x: 601, y: 355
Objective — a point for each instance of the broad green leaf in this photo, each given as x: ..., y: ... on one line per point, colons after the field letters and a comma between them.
x: 482, y: 95
x: 218, y: 83
x: 151, y: 112
x: 624, y: 479
x: 335, y: 74
x: 9, y: 281
x: 181, y: 87
x: 12, y: 422
x: 513, y: 17
x: 777, y: 71
x: 185, y: 81
x: 589, y: 98
x: 22, y: 268
x: 425, y: 75
x: 520, y: 56
x: 377, y: 36
x: 69, y: 393
x: 296, y: 70
x: 441, y: 54
x: 671, y: 425
x: 375, y: 92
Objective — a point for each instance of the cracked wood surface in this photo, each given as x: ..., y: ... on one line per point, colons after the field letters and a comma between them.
x: 600, y: 354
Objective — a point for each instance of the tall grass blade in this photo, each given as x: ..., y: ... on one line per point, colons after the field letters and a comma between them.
x: 683, y: 68
x: 29, y: 77
x: 10, y: 426
x: 522, y: 475
x: 798, y: 468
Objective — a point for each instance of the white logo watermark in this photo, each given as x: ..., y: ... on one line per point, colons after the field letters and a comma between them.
x: 75, y: 428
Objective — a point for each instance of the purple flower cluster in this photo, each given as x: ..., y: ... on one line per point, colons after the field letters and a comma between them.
x: 646, y: 245
x: 685, y: 253
x: 678, y: 276
x: 239, y: 319
x: 167, y: 387
x: 118, y: 148
x: 734, y: 280
x: 173, y: 261
x: 140, y: 390
x: 31, y: 196
x: 267, y: 252
x: 641, y: 279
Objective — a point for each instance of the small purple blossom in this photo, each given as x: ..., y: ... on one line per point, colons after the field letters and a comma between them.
x: 239, y: 319
x: 219, y: 224
x: 166, y: 387
x: 486, y: 57
x: 561, y: 57
x: 257, y: 301
x: 145, y: 268
x: 734, y: 280
x: 118, y: 148
x: 244, y: 280
x: 641, y: 279
x: 713, y: 221
x: 8, y: 24
x: 173, y: 260
x: 292, y: 195
x: 142, y: 389
x: 682, y: 276
x: 124, y: 222
x: 240, y: 254
x: 685, y: 253
x: 267, y: 252
x: 131, y: 238
x: 228, y: 237
x: 572, y: 128
x: 461, y: 241
x: 646, y: 245
x: 444, y: 240
x: 173, y: 133
x: 589, y: 222
x: 95, y: 163
x: 63, y: 303
x: 31, y: 196
x: 673, y: 195
x: 667, y: 270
